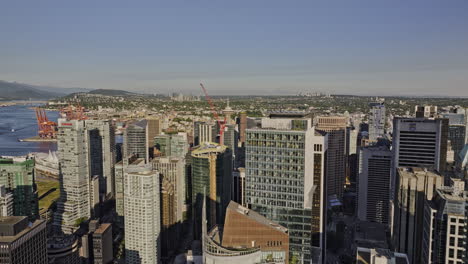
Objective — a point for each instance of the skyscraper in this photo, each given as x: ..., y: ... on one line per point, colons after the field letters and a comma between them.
x: 17, y: 175
x: 285, y: 168
x: 456, y: 132
x: 97, y: 244
x: 445, y: 237
x: 154, y: 128
x: 74, y: 204
x: 419, y: 142
x: 230, y: 139
x: 86, y: 156
x: 173, y: 169
x: 120, y: 169
x: 238, y: 186
x: 335, y: 127
x: 414, y: 187
x: 374, y: 184
x: 376, y: 121
x: 172, y: 145
x: 102, y: 153
x: 242, y: 126
x: 22, y: 242
x: 142, y: 215
x: 135, y: 141
x: 211, y: 176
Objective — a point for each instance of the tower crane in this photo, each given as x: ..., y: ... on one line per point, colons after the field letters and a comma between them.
x: 221, y: 123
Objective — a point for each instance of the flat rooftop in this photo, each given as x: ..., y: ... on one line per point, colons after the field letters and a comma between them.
x: 256, y: 216
x: 208, y: 147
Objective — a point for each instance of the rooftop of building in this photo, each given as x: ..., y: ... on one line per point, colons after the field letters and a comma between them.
x: 208, y: 147
x: 289, y: 114
x: 172, y: 159
x: 14, y: 227
x: 102, y: 228
x: 5, y: 160
x: 449, y: 193
x: 255, y: 216
x: 415, y: 171
x: 379, y: 255
x: 141, y: 123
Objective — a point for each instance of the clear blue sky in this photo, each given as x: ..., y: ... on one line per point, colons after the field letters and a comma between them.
x: 239, y: 47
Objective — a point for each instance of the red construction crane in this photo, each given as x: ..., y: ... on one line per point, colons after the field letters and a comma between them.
x: 76, y: 113
x: 221, y: 124
x: 46, y: 128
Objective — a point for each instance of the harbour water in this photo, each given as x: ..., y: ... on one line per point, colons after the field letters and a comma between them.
x: 19, y: 122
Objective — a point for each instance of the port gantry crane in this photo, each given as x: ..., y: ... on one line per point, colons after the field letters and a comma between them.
x: 221, y: 124
x: 46, y: 128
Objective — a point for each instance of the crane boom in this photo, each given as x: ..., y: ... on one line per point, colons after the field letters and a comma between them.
x: 221, y: 124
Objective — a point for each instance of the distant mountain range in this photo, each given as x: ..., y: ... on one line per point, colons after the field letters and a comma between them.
x: 21, y: 91
x: 111, y: 92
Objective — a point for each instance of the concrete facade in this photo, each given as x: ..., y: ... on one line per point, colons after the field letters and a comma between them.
x: 142, y: 215
x: 414, y: 187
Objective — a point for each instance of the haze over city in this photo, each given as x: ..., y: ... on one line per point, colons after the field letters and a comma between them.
x: 239, y: 47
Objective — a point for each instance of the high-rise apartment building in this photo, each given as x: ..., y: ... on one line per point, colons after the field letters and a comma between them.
x: 420, y: 142
x: 135, y: 141
x: 120, y: 169
x: 172, y: 145
x: 335, y: 127
x: 75, y: 202
x: 22, y: 241
x: 142, y: 215
x: 86, y: 153
x: 17, y: 175
x: 211, y: 177
x: 414, y: 187
x: 376, y: 121
x: 375, y: 168
x: 445, y: 237
x: 285, y: 181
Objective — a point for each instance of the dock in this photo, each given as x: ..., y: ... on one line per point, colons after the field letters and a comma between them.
x: 38, y: 139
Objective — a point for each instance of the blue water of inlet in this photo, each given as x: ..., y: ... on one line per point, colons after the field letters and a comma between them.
x: 19, y: 122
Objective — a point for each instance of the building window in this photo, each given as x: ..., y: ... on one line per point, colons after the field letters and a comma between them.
x: 452, y: 241
x: 451, y: 253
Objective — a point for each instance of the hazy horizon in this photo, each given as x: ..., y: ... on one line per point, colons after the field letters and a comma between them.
x: 239, y: 48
